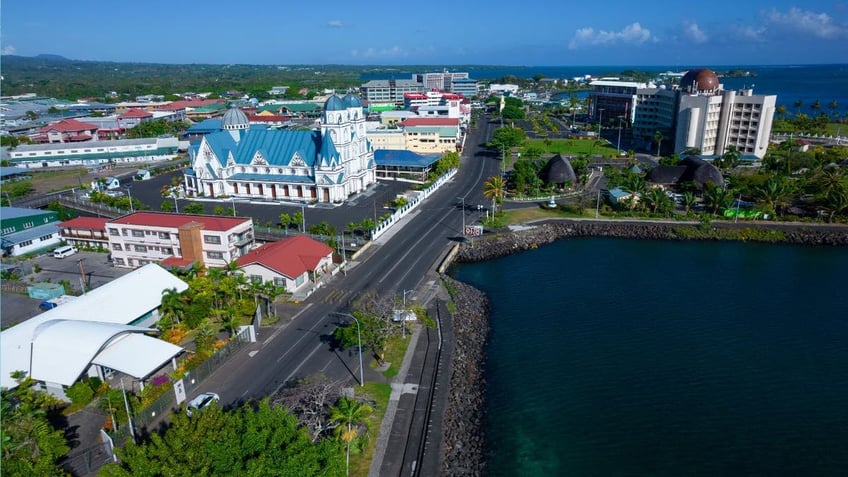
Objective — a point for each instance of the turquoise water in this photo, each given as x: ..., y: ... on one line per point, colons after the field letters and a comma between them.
x: 619, y: 358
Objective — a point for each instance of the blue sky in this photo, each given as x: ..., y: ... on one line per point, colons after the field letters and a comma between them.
x: 547, y: 32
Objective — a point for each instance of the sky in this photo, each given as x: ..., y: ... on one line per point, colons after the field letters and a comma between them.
x: 496, y: 32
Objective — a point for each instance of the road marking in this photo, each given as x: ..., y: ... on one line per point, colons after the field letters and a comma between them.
x: 253, y: 353
x: 280, y: 329
x: 297, y: 368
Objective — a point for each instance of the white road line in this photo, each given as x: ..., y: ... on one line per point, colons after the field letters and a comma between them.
x: 411, y: 249
x: 280, y: 329
x: 297, y: 368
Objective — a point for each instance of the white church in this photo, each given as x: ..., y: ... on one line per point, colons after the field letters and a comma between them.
x: 324, y: 165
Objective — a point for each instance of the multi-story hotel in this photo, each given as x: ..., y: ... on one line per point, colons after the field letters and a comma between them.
x: 178, y: 240
x: 702, y: 115
x: 389, y: 91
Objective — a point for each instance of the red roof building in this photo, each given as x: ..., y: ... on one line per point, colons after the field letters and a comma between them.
x: 67, y: 130
x: 178, y: 239
x: 412, y: 122
x: 85, y: 232
x: 288, y: 263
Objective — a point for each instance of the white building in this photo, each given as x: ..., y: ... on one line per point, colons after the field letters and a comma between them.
x: 702, y: 115
x: 324, y: 165
x: 500, y: 89
x: 101, y: 331
x: 93, y: 153
x: 178, y: 240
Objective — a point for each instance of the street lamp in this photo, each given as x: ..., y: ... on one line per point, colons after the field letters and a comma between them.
x: 129, y: 192
x: 359, y: 339
x: 618, y: 147
x: 303, y: 216
x: 463, y: 227
x: 600, y: 120
x: 403, y: 317
x: 234, y: 205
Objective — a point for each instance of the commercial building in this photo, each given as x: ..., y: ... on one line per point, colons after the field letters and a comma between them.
x: 324, y: 165
x: 611, y: 98
x: 178, y: 240
x: 389, y: 91
x: 67, y: 130
x: 702, y: 115
x: 439, y: 81
x: 85, y: 232
x: 27, y: 230
x: 464, y: 86
x: 94, y: 153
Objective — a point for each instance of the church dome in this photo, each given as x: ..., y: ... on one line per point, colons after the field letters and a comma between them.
x: 697, y: 80
x: 334, y: 103
x: 352, y: 101
x: 234, y: 118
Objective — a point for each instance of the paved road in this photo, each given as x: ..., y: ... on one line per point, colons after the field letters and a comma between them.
x: 402, y: 259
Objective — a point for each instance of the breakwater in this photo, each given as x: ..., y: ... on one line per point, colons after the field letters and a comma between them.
x: 510, y: 242
x: 462, y: 444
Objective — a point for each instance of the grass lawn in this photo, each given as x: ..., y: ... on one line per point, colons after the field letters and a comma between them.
x: 520, y: 216
x: 573, y: 147
x: 395, y: 351
x: 834, y: 129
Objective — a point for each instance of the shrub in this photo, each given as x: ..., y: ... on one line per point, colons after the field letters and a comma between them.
x: 80, y: 393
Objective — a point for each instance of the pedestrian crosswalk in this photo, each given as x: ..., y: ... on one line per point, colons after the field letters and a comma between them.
x: 335, y: 296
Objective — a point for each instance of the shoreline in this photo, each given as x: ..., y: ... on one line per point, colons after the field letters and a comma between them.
x: 463, y: 451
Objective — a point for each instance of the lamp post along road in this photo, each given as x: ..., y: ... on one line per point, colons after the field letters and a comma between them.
x: 618, y: 147
x: 600, y: 120
x: 359, y: 341
x: 463, y: 232
x: 129, y: 194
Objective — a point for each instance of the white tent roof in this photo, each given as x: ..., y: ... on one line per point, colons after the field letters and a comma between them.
x: 136, y: 355
x: 63, y: 349
x: 121, y: 301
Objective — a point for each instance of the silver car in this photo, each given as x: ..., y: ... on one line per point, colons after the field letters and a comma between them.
x: 201, y: 402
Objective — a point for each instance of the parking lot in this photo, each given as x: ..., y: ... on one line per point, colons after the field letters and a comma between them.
x: 97, y: 270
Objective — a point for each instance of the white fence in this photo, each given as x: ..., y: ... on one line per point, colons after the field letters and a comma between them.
x: 412, y: 204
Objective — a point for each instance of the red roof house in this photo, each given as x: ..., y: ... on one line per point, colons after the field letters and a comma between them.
x: 68, y: 130
x: 288, y: 262
x: 85, y: 232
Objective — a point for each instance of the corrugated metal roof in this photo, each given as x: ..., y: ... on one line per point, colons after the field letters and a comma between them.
x: 18, y: 212
x: 272, y: 178
x: 403, y: 158
x: 29, y: 234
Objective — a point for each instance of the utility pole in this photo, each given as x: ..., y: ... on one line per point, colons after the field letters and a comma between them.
x: 129, y: 194
x: 303, y: 217
x: 82, y: 274
x: 463, y: 220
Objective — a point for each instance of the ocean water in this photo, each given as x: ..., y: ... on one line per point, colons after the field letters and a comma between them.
x: 637, y: 358
x: 790, y: 83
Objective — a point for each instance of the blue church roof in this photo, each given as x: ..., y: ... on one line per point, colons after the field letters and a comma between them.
x: 205, y: 127
x: 400, y: 158
x: 278, y: 147
x: 352, y: 101
x: 334, y: 103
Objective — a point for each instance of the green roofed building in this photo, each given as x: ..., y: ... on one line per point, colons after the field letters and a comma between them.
x: 27, y: 230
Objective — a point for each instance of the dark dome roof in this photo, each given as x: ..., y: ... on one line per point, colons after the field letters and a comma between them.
x: 334, y: 103
x: 233, y: 118
x: 352, y: 101
x: 701, y: 171
x: 701, y: 79
x: 558, y: 171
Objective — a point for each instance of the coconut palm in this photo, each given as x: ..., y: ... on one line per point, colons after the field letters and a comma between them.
x: 773, y: 193
x: 349, y: 414
x: 798, y: 104
x: 656, y: 200
x: 658, y: 138
x: 836, y: 201
x: 716, y: 197
x: 816, y: 105
x: 730, y: 157
x: 688, y: 201
x: 173, y: 305
x: 494, y: 189
x: 834, y: 108
x: 780, y: 110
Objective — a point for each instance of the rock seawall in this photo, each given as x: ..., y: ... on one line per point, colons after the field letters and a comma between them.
x: 508, y: 243
x: 462, y: 446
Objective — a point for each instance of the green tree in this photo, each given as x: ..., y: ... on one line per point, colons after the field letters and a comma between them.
x: 688, y: 201
x: 798, y: 104
x: 193, y: 208
x: 350, y: 414
x: 495, y: 189
x: 716, y: 197
x: 30, y: 444
x: 254, y: 439
x: 166, y: 206
x: 450, y: 160
x: 657, y: 201
x: 285, y: 221
x: 773, y: 193
x: 780, y: 110
x: 507, y: 137
x: 173, y: 306
x: 219, y: 210
x: 836, y: 201
x: 297, y: 219
x: 512, y: 113
x: 658, y: 138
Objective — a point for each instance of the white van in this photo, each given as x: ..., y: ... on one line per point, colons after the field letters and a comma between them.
x: 65, y: 251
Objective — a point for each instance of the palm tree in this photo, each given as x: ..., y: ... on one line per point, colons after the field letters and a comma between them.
x: 780, y: 110
x: 837, y: 201
x: 834, y: 107
x: 349, y: 414
x: 773, y: 192
x: 658, y: 138
x: 716, y: 197
x: 730, y: 157
x: 656, y: 200
x: 173, y: 306
x: 494, y: 189
x: 816, y: 105
x: 688, y: 201
x: 798, y: 104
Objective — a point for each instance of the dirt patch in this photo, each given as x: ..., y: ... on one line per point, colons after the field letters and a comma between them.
x: 46, y: 182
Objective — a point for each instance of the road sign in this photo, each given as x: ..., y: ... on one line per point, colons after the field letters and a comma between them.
x: 474, y: 230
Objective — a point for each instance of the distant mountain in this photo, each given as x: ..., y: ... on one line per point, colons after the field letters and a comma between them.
x: 49, y: 57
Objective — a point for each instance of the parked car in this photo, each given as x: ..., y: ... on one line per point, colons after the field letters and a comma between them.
x: 64, y: 251
x: 201, y: 402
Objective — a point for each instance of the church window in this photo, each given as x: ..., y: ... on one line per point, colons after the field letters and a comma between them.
x: 255, y: 170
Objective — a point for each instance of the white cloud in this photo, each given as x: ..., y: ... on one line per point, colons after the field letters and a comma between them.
x: 390, y: 52
x: 633, y: 34
x: 335, y: 23
x: 694, y: 33
x: 816, y: 24
x: 9, y: 50
x: 748, y: 32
